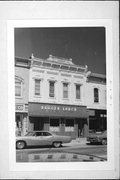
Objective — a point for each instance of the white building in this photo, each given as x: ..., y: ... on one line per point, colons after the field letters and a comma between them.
x: 96, y: 101
x: 22, y: 66
x: 57, y: 96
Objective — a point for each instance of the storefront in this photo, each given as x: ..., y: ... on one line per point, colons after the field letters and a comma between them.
x: 97, y: 120
x: 61, y: 119
x: 21, y: 119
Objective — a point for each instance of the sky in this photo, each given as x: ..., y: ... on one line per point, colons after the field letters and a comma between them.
x: 85, y: 45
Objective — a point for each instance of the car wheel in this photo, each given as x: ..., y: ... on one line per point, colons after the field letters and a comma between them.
x: 20, y: 145
x: 57, y: 144
x: 104, y: 142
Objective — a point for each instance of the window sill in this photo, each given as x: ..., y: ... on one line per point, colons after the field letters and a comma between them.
x: 66, y: 99
x: 35, y: 96
x: 79, y: 100
x: 52, y: 98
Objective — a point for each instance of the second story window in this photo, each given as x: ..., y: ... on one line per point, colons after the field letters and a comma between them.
x: 37, y: 87
x: 65, y: 90
x: 51, y: 89
x: 96, y: 95
x: 78, y: 91
x: 18, y: 88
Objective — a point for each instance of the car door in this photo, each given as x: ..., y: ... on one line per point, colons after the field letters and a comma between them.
x: 39, y: 139
x: 30, y: 138
x: 47, y: 138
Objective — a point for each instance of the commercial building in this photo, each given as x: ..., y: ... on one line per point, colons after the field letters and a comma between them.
x: 96, y: 102
x: 54, y: 94
x: 22, y: 66
x: 57, y: 96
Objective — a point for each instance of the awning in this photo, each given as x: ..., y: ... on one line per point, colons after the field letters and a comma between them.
x: 42, y: 109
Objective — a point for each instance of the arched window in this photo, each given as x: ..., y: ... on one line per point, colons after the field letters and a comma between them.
x: 96, y: 95
x: 18, y: 86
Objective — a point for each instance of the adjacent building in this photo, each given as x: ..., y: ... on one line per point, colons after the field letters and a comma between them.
x: 54, y: 94
x: 22, y: 66
x: 96, y: 101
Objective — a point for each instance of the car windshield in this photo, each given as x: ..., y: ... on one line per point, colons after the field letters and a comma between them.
x: 47, y: 134
x: 30, y: 134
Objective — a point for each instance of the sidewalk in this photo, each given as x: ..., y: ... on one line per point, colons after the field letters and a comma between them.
x: 78, y: 141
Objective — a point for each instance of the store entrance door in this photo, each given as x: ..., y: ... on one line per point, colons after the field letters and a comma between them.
x: 38, y: 124
x: 80, y: 128
x: 80, y: 124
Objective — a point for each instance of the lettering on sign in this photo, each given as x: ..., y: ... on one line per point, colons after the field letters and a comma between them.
x: 58, y: 108
x: 19, y: 107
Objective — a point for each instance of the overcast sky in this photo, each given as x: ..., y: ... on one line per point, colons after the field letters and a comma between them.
x: 85, y: 45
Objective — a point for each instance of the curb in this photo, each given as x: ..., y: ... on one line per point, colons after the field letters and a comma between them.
x: 61, y: 157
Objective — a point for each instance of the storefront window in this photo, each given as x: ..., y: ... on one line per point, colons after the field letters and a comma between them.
x: 54, y: 125
x: 51, y: 89
x: 37, y: 87
x: 65, y: 90
x: 69, y: 125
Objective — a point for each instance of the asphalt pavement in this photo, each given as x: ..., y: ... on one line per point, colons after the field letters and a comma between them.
x: 77, y: 150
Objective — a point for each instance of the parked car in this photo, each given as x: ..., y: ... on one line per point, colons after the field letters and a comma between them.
x: 41, y: 138
x: 100, y: 137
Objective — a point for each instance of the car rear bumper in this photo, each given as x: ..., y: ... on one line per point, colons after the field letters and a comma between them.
x: 93, y: 140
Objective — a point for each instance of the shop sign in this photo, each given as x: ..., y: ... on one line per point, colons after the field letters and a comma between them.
x: 19, y: 107
x: 58, y: 108
x: 36, y: 109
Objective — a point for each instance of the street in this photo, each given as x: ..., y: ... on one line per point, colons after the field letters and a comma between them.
x: 67, y: 153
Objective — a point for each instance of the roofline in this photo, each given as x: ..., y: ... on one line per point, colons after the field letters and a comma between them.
x: 22, y: 62
x: 22, y: 58
x: 97, y: 75
x: 32, y: 57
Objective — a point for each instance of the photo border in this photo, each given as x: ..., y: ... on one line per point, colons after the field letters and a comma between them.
x: 61, y: 166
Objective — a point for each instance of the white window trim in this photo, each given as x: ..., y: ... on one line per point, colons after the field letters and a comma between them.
x: 68, y: 89
x: 22, y: 82
x: 35, y: 78
x: 52, y: 80
x: 95, y: 87
x: 80, y: 92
